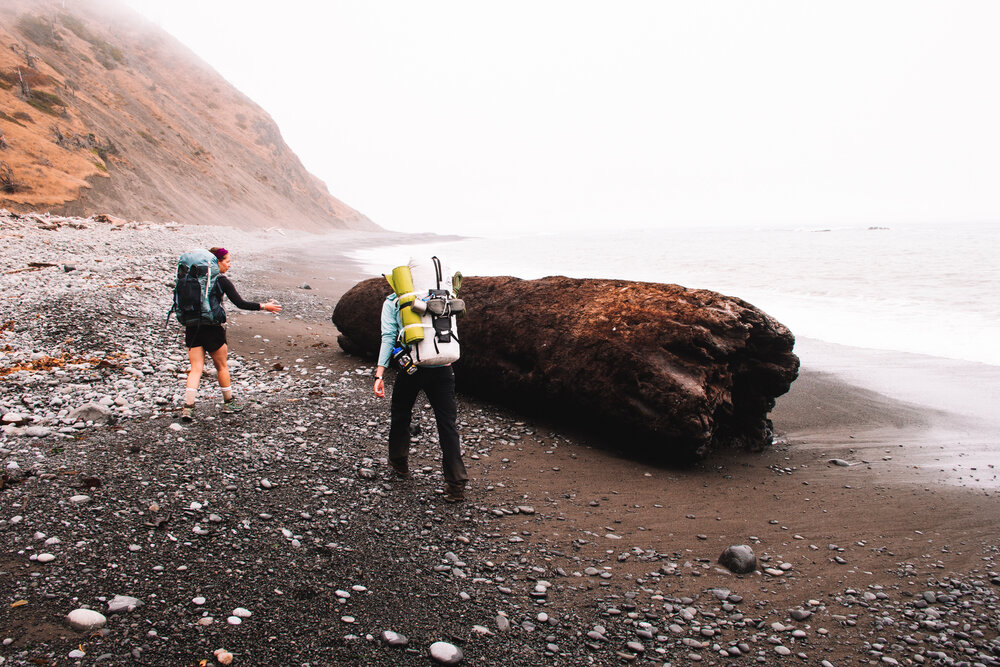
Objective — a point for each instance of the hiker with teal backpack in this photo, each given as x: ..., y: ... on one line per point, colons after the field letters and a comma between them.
x: 198, y: 296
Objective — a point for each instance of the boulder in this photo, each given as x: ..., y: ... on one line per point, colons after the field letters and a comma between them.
x: 664, y: 370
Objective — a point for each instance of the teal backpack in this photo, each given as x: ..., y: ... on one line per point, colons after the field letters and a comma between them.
x: 197, y: 273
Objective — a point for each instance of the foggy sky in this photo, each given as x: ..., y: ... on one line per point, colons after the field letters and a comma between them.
x: 475, y: 117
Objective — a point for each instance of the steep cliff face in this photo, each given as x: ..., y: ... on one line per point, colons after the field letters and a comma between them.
x: 103, y: 112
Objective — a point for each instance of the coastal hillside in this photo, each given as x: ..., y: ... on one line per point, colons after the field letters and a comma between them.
x: 101, y: 111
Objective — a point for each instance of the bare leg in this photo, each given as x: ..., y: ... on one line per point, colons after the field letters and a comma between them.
x: 196, y: 357
x: 220, y: 358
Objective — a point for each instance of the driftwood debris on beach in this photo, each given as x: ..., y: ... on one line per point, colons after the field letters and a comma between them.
x: 671, y: 372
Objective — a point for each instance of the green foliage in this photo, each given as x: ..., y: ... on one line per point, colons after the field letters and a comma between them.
x: 108, y: 55
x: 38, y: 30
x: 47, y: 102
x: 76, y: 26
x: 100, y: 167
x: 100, y: 150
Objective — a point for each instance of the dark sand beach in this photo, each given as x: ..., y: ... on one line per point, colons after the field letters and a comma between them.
x: 890, y: 559
x: 922, y: 487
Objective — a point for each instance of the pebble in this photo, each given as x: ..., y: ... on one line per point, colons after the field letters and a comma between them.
x: 662, y: 613
x: 86, y: 620
x: 122, y: 603
x: 394, y: 638
x: 445, y: 653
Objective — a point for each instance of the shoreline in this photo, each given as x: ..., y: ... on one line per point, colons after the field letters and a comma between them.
x: 333, y: 550
x: 943, y: 408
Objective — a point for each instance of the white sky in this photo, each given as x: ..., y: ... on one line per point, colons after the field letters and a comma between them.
x: 467, y: 116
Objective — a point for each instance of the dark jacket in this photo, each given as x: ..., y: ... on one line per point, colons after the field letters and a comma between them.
x: 224, y: 287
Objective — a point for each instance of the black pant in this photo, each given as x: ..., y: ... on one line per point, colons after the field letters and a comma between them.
x: 439, y: 385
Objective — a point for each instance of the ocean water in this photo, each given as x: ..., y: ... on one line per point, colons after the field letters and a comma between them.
x: 930, y: 289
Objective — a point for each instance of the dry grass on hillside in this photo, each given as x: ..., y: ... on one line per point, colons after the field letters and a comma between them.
x: 104, y: 112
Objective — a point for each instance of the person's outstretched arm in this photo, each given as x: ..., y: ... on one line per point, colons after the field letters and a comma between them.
x: 230, y: 290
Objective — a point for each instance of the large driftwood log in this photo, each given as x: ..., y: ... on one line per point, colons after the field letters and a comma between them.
x: 668, y: 371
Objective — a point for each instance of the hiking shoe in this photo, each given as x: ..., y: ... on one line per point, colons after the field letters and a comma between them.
x: 400, y: 466
x: 454, y: 493
x: 229, y: 407
x: 187, y: 414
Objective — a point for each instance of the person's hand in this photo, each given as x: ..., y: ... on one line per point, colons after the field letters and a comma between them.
x: 271, y: 306
x: 379, y: 387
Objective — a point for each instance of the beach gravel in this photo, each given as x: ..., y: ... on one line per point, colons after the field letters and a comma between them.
x: 281, y: 534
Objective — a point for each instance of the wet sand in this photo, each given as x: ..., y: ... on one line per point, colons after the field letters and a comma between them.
x: 934, y: 417
x: 921, y: 476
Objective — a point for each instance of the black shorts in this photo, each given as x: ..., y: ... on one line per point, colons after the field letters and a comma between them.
x: 209, y: 336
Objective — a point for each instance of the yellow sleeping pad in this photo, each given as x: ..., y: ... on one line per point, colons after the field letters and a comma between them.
x: 401, y: 282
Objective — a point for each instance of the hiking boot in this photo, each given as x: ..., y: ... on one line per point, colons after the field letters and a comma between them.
x: 454, y: 493
x: 187, y: 413
x: 400, y: 466
x: 231, y: 406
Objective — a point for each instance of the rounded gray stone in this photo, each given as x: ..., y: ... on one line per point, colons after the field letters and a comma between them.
x: 86, y: 620
x: 739, y: 558
x: 445, y: 653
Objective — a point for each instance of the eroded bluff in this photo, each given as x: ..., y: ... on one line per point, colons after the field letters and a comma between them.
x: 662, y: 370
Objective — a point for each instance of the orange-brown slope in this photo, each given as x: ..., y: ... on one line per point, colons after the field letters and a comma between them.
x: 101, y: 111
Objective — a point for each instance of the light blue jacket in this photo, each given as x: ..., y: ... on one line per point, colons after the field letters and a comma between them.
x: 392, y: 324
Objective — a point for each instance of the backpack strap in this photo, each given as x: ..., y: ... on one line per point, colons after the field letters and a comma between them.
x: 437, y: 270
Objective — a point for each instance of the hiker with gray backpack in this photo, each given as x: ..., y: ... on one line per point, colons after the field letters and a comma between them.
x: 197, y: 303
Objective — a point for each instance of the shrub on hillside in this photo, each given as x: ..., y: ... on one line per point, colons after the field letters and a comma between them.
x: 39, y: 31
x: 108, y: 55
x: 8, y: 184
x: 10, y: 119
x: 48, y: 102
x: 32, y: 76
x: 76, y: 26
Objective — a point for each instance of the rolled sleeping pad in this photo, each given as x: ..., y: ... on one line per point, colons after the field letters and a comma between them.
x: 401, y: 283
